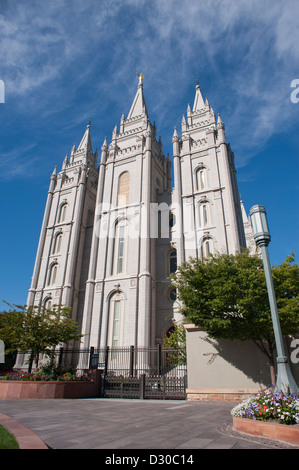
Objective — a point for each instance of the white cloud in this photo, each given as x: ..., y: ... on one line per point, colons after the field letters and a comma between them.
x: 17, y: 162
x: 243, y: 51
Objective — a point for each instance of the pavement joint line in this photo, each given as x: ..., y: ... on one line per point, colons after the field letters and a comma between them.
x: 177, y: 407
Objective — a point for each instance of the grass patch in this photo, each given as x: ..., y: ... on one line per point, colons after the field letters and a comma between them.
x: 7, y: 440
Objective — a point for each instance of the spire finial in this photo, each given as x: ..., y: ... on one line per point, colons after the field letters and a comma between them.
x: 141, y: 77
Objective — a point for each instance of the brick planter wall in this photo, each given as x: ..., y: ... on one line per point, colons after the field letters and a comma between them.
x: 13, y: 389
x: 280, y: 432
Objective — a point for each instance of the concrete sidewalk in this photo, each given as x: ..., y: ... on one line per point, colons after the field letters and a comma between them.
x: 133, y: 424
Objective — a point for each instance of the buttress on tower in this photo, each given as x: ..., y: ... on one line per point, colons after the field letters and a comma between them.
x: 113, y: 233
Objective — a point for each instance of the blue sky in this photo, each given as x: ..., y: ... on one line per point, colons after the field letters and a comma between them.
x: 65, y: 62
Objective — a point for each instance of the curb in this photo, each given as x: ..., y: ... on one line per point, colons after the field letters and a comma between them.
x: 26, y: 438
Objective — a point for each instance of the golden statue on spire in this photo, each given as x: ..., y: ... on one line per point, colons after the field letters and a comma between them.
x: 141, y: 77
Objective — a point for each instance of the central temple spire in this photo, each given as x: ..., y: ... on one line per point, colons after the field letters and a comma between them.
x: 198, y: 100
x: 138, y: 106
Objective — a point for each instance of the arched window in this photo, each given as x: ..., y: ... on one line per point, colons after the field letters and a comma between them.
x: 206, y: 247
x: 53, y: 274
x: 62, y: 213
x: 57, y: 243
x: 48, y: 303
x: 116, y: 314
x: 172, y: 262
x: 123, y: 189
x: 204, y: 215
x: 169, y: 331
x: 201, y: 178
x: 120, y: 247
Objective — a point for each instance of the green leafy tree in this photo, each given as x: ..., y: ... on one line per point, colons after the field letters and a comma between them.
x: 37, y: 329
x: 176, y: 342
x: 227, y: 296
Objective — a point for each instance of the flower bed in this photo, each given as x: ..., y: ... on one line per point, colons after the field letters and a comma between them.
x: 269, y: 405
x: 41, y: 376
x: 37, y: 385
x: 270, y: 414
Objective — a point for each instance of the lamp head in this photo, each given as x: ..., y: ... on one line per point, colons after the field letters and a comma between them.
x: 260, y: 227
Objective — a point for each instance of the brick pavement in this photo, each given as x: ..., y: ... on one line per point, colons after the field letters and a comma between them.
x: 133, y: 424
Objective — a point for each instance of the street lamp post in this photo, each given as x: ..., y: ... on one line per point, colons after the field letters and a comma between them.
x: 262, y: 238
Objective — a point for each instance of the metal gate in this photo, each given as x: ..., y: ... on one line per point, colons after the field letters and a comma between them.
x: 142, y: 373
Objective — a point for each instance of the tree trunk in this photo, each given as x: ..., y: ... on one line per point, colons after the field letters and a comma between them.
x: 272, y: 363
x: 269, y: 353
x: 37, y: 359
x: 272, y: 371
x: 30, y: 363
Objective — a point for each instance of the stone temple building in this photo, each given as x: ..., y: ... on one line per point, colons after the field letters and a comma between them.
x: 114, y: 231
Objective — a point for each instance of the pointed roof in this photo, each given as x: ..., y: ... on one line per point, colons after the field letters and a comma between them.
x: 198, y: 100
x: 73, y: 149
x: 85, y: 143
x: 138, y: 106
x: 175, y: 134
x: 243, y: 212
x: 105, y: 143
x: 220, y: 123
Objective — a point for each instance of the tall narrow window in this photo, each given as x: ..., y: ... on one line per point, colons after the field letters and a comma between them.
x: 121, y: 249
x: 116, y: 324
x: 57, y: 243
x: 123, y: 189
x: 116, y: 313
x: 171, y: 220
x: 53, y: 274
x: 62, y: 213
x: 201, y: 178
x: 120, y: 242
x: 204, y: 215
x: 172, y: 262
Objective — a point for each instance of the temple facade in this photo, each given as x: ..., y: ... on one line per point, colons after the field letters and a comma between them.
x: 114, y: 230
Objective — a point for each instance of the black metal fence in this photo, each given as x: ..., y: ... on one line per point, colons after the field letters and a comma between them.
x: 129, y: 372
x: 126, y: 361
x: 144, y: 373
x: 133, y: 362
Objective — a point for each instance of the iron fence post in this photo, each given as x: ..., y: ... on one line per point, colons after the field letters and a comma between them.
x: 91, y: 352
x: 131, y: 361
x: 60, y: 356
x: 142, y: 386
x: 106, y: 360
x: 159, y: 352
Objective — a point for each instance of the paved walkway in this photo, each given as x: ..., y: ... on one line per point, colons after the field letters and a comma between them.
x: 133, y: 424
